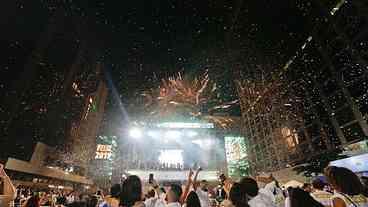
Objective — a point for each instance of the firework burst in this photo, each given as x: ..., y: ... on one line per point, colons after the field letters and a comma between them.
x: 195, y: 98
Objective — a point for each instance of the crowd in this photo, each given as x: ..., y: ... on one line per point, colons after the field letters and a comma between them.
x: 342, y: 189
x: 27, y: 197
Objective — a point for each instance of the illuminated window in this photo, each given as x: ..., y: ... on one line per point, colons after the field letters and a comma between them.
x: 291, y: 137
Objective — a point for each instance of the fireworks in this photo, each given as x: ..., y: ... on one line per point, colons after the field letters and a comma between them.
x: 220, y: 121
x: 195, y: 98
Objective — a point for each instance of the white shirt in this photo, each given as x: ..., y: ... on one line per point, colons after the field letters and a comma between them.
x: 151, y: 202
x: 261, y: 200
x: 203, y: 198
x: 162, y: 203
x: 269, y: 190
x: 176, y: 204
x: 287, y: 202
x: 70, y: 199
x: 157, y: 201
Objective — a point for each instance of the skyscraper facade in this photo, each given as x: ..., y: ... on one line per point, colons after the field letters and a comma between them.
x: 318, y: 102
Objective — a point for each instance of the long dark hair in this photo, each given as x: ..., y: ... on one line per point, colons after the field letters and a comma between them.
x: 250, y: 186
x: 131, y: 191
x: 238, y: 196
x: 193, y: 200
x: 33, y: 201
x: 92, y: 201
x: 301, y: 198
x: 115, y: 190
x: 343, y: 178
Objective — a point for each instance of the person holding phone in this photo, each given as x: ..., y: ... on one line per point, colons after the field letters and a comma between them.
x: 8, y: 191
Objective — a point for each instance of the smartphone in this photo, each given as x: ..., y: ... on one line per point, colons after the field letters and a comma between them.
x: 150, y: 179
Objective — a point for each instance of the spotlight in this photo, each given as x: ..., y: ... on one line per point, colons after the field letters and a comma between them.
x: 192, y: 133
x: 135, y: 133
x: 172, y: 134
x: 197, y: 141
x: 203, y: 143
x: 153, y: 134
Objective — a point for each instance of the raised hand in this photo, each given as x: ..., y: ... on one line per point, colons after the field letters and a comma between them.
x: 191, y: 172
x: 228, y: 183
x: 190, y: 175
x: 195, y: 183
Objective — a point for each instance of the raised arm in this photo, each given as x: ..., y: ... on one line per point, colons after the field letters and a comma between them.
x: 9, y: 189
x: 156, y: 188
x: 195, y: 183
x: 187, y: 187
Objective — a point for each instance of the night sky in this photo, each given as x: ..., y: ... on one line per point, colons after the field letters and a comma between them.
x: 164, y: 36
x: 143, y: 41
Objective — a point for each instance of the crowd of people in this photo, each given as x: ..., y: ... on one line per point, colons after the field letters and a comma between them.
x: 27, y: 197
x: 342, y: 189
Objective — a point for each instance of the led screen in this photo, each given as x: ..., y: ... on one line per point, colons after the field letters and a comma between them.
x: 236, y: 156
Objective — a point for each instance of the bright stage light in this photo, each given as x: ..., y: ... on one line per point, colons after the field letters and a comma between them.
x: 135, y: 133
x: 184, y: 125
x: 192, y: 133
x: 203, y: 143
x: 153, y: 134
x: 172, y: 134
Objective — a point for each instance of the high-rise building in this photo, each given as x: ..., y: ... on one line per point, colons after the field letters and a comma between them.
x: 60, y: 96
x: 81, y: 144
x: 319, y: 101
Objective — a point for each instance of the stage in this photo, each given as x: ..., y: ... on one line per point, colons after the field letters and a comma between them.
x: 172, y: 176
x: 169, y: 150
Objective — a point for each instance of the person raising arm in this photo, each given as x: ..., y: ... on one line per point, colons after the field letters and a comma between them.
x: 187, y: 187
x: 201, y: 188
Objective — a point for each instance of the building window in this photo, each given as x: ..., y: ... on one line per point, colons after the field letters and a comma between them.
x: 353, y: 132
x: 344, y: 115
x: 337, y: 100
x: 331, y: 133
x: 330, y: 86
x: 363, y: 104
x: 290, y: 137
x: 319, y: 144
x: 359, y: 89
x: 352, y: 73
x: 314, y: 130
